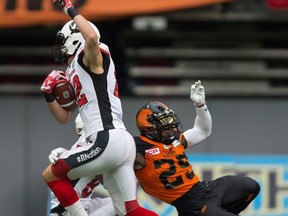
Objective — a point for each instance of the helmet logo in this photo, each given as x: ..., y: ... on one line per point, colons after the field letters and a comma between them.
x: 73, y: 28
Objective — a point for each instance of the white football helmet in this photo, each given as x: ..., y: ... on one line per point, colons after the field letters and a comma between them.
x: 68, y: 40
x: 79, y: 125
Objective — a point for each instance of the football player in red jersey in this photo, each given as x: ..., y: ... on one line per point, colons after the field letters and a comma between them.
x: 111, y: 149
x: 161, y: 159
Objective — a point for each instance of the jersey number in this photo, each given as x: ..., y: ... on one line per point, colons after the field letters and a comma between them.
x: 81, y: 99
x: 182, y: 162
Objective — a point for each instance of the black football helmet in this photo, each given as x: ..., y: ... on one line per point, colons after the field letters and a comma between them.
x: 154, y: 118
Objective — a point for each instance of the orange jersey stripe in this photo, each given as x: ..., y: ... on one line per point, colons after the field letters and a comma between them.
x: 167, y: 174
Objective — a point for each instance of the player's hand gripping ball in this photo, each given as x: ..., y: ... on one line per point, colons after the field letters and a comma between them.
x: 64, y: 94
x: 53, y: 78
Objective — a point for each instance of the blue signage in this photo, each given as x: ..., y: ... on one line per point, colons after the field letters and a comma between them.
x: 270, y: 171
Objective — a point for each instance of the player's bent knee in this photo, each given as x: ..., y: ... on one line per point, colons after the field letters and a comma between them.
x: 253, y: 186
x: 258, y: 188
x: 48, y: 175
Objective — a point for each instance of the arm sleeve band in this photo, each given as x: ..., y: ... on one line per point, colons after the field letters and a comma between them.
x: 72, y: 12
x: 49, y: 97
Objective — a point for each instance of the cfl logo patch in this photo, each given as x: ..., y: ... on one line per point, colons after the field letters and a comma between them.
x: 153, y: 151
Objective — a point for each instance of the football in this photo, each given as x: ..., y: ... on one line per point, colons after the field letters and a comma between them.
x: 64, y: 94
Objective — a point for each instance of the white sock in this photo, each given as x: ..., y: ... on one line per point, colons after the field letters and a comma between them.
x: 77, y: 209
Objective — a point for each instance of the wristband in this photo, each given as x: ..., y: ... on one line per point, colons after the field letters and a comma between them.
x: 200, y: 105
x: 49, y: 97
x: 72, y: 12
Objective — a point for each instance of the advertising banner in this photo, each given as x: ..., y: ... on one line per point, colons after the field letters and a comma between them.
x: 19, y: 13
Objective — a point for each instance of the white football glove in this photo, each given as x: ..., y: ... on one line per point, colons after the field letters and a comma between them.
x: 197, y: 94
x: 55, y: 154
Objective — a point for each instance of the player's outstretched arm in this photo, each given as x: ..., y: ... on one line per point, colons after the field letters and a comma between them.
x: 203, y: 122
x: 92, y: 55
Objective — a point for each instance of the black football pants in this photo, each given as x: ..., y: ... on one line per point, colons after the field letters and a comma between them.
x: 229, y: 195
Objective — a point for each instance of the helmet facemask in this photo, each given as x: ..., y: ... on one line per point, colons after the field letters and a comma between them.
x: 59, y: 51
x: 166, y: 123
x: 68, y: 41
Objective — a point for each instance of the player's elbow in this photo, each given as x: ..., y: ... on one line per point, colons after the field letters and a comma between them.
x: 63, y: 117
x: 92, y: 39
x: 204, y: 134
x: 62, y: 121
x: 194, y: 136
x: 208, y: 132
x: 206, y: 129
